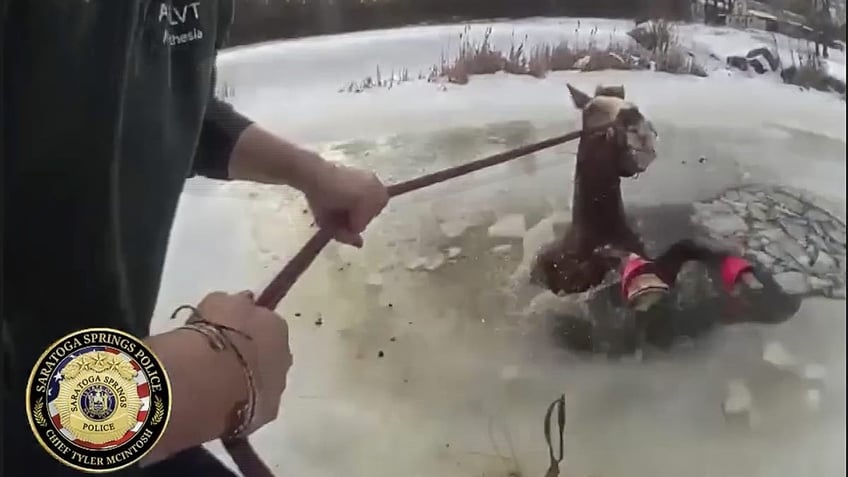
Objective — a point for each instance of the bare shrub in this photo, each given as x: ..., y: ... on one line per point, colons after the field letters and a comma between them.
x: 560, y: 57
x: 482, y: 58
x: 655, y: 35
x: 225, y: 91
x: 811, y: 72
x: 379, y: 81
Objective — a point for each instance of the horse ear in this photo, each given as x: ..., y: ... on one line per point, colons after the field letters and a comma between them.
x: 614, y: 91
x: 580, y: 98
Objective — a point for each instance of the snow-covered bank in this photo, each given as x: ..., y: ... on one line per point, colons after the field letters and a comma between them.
x: 302, y: 77
x: 462, y: 383
x: 354, y: 56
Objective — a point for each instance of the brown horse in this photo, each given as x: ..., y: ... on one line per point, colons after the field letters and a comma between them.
x: 599, y: 238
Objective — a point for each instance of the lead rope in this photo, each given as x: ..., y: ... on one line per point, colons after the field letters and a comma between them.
x: 557, y: 406
x: 247, y: 460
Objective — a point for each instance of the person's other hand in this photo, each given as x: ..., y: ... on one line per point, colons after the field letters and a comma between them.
x: 267, y: 352
x: 345, y: 200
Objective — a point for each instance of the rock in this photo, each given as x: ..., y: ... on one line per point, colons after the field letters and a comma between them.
x: 509, y: 226
x: 738, y: 63
x: 770, y: 58
x: 374, y: 279
x: 775, y: 354
x: 838, y: 293
x: 738, y: 399
x: 602, y: 61
x: 453, y: 252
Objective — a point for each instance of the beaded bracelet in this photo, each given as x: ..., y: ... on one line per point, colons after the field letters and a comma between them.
x: 241, y: 418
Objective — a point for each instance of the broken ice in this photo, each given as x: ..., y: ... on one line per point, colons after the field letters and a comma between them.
x: 509, y: 226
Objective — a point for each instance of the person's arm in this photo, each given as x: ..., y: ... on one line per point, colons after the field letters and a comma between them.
x: 222, y: 127
x: 200, y: 404
x: 231, y: 146
x: 261, y: 156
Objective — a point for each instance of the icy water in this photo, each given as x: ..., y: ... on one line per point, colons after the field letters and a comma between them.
x: 413, y: 356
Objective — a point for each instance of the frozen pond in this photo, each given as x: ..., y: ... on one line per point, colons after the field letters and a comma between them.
x: 412, y: 356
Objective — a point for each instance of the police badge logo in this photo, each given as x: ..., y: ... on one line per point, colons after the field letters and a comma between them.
x: 98, y: 400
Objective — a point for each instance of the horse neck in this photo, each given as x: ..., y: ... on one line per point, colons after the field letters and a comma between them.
x: 597, y: 185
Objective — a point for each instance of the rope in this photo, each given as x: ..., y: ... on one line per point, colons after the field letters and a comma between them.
x: 555, y: 453
x: 243, y: 454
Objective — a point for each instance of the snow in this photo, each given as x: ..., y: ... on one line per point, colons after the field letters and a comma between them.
x: 304, y: 75
x: 757, y: 13
x: 452, y: 375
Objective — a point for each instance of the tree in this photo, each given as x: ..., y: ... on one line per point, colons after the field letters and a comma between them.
x: 827, y: 27
x: 822, y: 24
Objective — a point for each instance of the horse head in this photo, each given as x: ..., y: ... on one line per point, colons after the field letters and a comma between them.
x: 631, y: 135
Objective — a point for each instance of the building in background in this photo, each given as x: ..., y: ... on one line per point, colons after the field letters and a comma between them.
x: 752, y: 14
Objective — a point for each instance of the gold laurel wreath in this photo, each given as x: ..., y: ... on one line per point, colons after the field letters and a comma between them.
x: 158, y: 411
x: 38, y: 412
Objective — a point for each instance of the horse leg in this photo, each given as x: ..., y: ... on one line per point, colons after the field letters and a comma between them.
x: 731, y: 267
x: 749, y: 293
x: 641, y: 285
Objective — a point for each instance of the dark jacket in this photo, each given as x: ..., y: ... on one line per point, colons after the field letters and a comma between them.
x: 107, y: 107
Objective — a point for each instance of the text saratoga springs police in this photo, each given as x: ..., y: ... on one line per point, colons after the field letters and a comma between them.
x: 100, y: 338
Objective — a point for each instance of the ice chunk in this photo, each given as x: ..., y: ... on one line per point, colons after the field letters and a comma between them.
x: 453, y: 252
x: 815, y: 372
x: 775, y: 354
x: 824, y: 263
x: 454, y: 228
x: 374, y: 279
x: 534, y: 239
x: 503, y: 248
x: 812, y: 398
x: 725, y: 224
x: 509, y: 373
x: 738, y: 399
x: 433, y: 262
x: 817, y: 283
x: 582, y: 62
x: 509, y: 226
x: 792, y: 282
x: 416, y: 263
